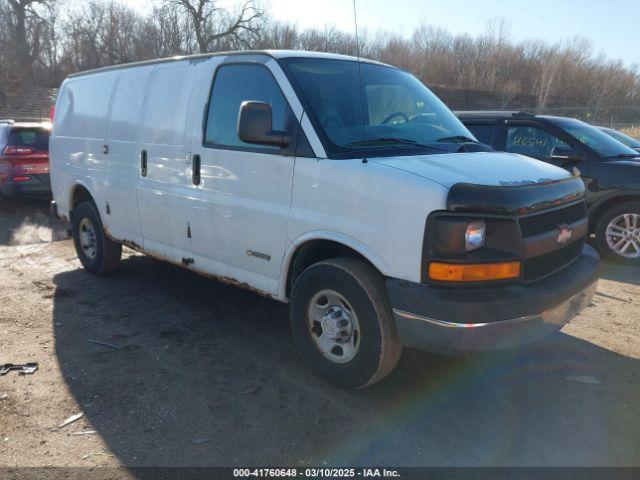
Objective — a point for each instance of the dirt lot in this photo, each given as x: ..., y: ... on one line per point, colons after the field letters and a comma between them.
x: 206, y: 374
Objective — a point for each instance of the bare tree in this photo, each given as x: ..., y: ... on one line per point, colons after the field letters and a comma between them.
x: 278, y: 36
x: 164, y: 33
x: 212, y: 23
x: 27, y: 27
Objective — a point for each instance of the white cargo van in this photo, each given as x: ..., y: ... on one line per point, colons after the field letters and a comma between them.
x: 344, y: 187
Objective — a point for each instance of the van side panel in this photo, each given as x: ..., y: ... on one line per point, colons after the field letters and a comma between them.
x: 124, y: 153
x: 163, y: 194
x: 78, y: 138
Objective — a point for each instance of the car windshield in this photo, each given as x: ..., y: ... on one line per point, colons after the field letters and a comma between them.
x: 360, y: 107
x: 596, y: 139
x: 626, y: 139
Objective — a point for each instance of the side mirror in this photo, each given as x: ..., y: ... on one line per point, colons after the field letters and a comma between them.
x: 255, y: 125
x: 565, y: 154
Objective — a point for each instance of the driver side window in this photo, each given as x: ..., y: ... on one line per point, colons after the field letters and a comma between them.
x: 532, y: 142
x: 234, y: 84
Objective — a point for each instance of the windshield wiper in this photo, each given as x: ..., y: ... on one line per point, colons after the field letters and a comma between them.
x: 623, y: 155
x: 467, y: 144
x: 393, y: 140
x: 457, y: 139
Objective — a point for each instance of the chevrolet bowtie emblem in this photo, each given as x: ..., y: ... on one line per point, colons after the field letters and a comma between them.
x: 565, y: 234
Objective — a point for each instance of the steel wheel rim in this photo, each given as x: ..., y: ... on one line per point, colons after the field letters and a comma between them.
x: 623, y: 235
x: 87, y: 238
x: 333, y: 326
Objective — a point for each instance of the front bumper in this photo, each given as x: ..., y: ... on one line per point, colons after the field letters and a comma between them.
x: 458, y: 320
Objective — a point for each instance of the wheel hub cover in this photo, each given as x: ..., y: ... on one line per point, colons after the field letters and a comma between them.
x: 336, y: 323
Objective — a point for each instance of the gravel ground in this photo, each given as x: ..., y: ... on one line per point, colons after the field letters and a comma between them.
x: 198, y: 373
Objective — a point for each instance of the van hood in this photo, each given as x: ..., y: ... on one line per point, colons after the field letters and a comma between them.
x: 481, y: 168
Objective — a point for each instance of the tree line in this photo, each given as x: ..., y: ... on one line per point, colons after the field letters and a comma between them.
x: 42, y: 41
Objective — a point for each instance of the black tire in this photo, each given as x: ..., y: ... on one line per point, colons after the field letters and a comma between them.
x: 106, y: 256
x: 363, y: 287
x: 602, y: 245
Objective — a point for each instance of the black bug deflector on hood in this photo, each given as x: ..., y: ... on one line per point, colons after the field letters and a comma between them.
x: 514, y: 200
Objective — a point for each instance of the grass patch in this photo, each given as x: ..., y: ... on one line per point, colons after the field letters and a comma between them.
x: 632, y: 131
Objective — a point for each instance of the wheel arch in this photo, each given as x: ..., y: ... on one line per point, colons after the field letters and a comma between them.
x: 312, y: 248
x: 605, y: 204
x: 79, y: 193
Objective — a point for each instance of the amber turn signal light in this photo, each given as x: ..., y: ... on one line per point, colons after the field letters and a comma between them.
x: 477, y: 272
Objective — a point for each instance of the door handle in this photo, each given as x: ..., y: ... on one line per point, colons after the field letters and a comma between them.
x: 105, y: 149
x: 143, y: 163
x: 195, y: 166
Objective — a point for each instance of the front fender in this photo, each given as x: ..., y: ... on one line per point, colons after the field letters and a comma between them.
x: 347, y: 241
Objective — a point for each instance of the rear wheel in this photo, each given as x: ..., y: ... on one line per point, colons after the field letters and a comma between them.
x: 97, y: 253
x: 343, y: 324
x: 618, y: 233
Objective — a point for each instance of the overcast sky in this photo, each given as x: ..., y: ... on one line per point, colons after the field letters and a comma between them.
x: 612, y: 25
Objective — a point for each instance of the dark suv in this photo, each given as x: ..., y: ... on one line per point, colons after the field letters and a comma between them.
x: 610, y: 169
x: 24, y: 158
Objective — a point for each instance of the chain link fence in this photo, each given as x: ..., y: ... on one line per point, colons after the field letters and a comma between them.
x: 621, y: 117
x: 618, y: 117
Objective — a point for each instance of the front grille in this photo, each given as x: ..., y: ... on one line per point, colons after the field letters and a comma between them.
x: 547, y: 221
x: 539, y: 267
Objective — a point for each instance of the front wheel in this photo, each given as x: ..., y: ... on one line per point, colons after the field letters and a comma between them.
x: 97, y: 252
x: 618, y: 233
x: 343, y: 324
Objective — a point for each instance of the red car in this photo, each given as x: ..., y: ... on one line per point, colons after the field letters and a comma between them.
x: 24, y: 158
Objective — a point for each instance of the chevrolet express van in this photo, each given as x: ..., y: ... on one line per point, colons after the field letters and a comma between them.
x: 343, y: 187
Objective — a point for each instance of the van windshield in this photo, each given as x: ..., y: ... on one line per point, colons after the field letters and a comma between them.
x: 373, y: 109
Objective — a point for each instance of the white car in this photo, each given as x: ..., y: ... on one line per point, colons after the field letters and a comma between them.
x: 342, y: 186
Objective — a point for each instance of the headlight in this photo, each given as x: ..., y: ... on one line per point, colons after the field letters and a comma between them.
x: 475, y: 235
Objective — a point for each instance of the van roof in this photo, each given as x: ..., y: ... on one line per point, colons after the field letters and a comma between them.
x: 276, y: 54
